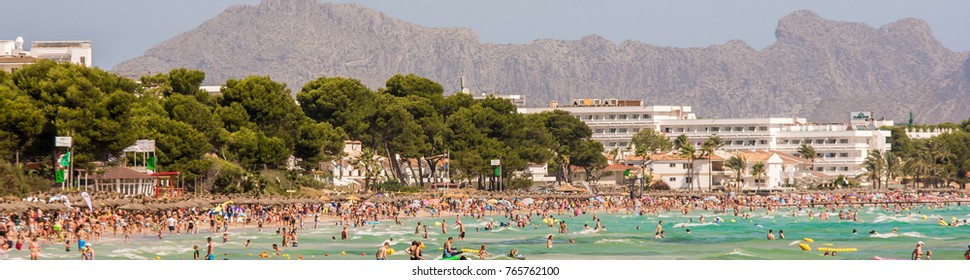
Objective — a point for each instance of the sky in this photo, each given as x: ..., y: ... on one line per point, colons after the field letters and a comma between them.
x: 125, y: 29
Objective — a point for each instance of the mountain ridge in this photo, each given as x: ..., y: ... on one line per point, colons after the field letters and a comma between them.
x: 818, y: 68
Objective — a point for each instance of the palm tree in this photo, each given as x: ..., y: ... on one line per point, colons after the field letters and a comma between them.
x: 739, y: 165
x: 875, y: 165
x: 688, y: 151
x: 366, y: 161
x: 710, y: 145
x: 680, y: 141
x: 946, y: 174
x: 894, y: 166
x: 807, y: 152
x: 919, y: 167
x: 939, y: 155
x: 758, y: 169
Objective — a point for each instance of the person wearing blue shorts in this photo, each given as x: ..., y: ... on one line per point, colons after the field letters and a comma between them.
x: 209, y: 255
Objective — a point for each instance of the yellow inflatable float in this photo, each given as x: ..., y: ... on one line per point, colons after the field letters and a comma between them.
x: 389, y: 251
x: 805, y: 247
x: 840, y: 250
x: 809, y: 240
x: 466, y: 250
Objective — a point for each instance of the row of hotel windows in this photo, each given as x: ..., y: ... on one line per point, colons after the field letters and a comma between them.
x: 832, y: 168
x: 726, y: 143
x: 614, y: 117
x: 616, y: 130
x: 815, y: 141
x: 716, y: 129
x: 738, y: 142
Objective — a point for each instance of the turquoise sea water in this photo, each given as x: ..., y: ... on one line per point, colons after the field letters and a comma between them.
x: 741, y: 239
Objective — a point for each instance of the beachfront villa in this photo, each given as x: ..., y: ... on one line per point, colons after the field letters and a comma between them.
x: 782, y: 170
x: 841, y: 147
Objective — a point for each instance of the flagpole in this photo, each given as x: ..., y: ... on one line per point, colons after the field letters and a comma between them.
x: 448, y: 168
x: 70, y: 158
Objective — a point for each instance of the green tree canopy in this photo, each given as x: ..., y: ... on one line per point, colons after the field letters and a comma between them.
x: 89, y: 103
x: 649, y: 141
x: 342, y: 102
x: 318, y: 142
x: 268, y: 104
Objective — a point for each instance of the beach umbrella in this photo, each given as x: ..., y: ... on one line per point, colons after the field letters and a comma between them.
x: 492, y: 201
x: 528, y: 201
x: 11, y: 207
x: 131, y: 207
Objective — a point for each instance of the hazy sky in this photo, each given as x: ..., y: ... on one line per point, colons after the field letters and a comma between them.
x: 124, y: 29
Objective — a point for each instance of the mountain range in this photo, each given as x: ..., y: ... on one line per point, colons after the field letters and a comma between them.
x: 817, y: 68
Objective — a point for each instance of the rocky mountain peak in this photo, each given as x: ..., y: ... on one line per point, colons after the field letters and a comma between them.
x: 286, y: 6
x: 818, y: 68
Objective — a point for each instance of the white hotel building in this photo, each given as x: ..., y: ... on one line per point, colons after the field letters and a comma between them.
x: 841, y: 147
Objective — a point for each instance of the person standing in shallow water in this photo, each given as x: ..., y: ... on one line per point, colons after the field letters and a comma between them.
x: 210, y: 254
x: 771, y: 235
x: 382, y: 251
x: 918, y: 252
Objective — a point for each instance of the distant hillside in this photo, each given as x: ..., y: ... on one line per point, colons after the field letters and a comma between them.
x: 817, y: 68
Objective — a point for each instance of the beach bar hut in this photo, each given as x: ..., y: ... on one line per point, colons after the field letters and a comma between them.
x: 124, y: 180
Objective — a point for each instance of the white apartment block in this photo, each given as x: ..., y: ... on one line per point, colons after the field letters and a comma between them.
x: 841, y: 148
x: 13, y: 55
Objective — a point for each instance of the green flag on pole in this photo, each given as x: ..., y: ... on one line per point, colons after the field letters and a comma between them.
x: 626, y: 173
x: 150, y: 165
x: 59, y: 176
x: 498, y: 171
x: 66, y: 160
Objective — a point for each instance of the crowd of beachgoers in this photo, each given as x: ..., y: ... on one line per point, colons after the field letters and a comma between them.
x: 30, y: 223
